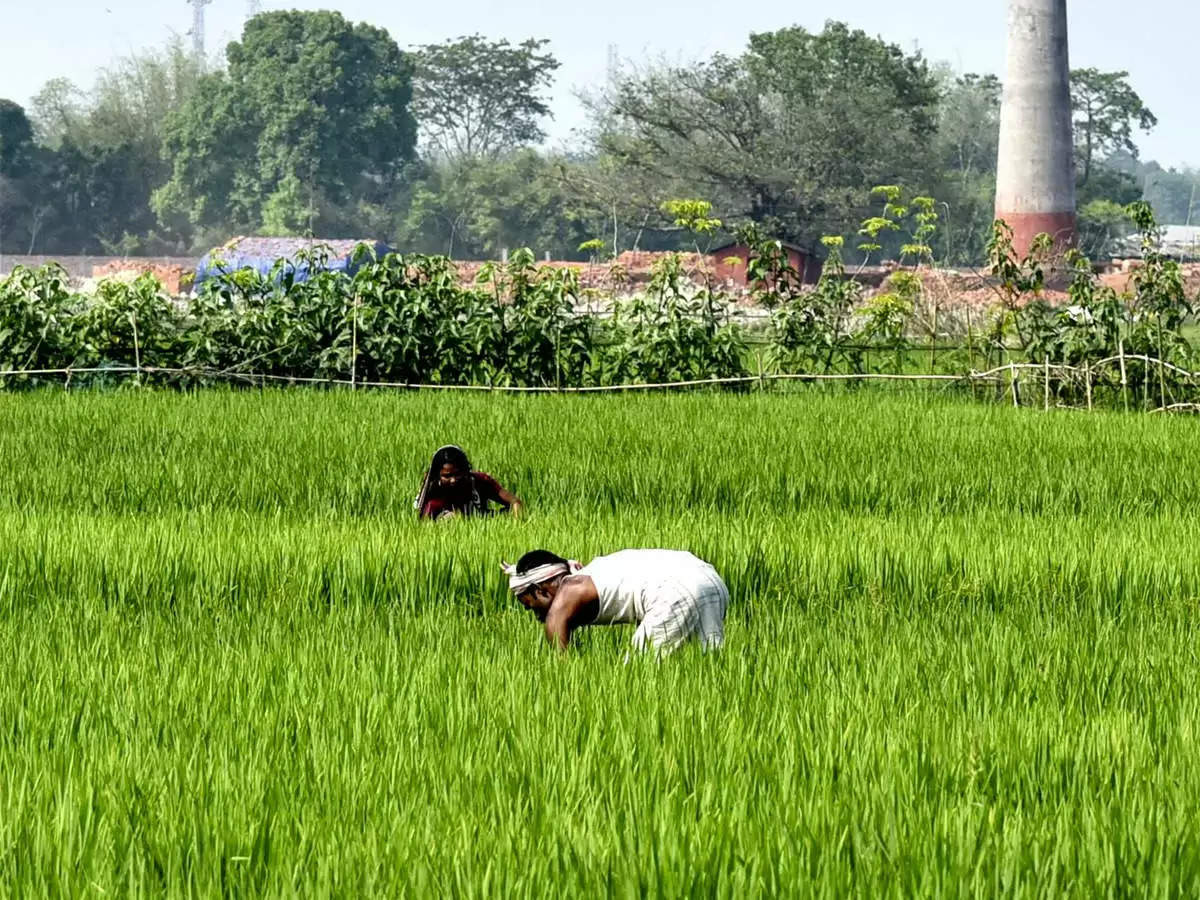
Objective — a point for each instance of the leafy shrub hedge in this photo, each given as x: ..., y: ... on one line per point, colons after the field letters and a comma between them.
x: 404, y: 319
x: 410, y: 320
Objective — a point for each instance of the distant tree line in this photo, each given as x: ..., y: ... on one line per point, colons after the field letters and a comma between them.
x: 315, y: 125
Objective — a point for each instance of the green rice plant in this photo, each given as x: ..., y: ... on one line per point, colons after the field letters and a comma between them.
x: 960, y: 653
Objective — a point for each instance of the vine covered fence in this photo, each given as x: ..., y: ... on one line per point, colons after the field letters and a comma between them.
x: 409, y: 322
x: 1049, y: 385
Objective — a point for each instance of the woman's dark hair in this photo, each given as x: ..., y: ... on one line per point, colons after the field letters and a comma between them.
x: 535, y: 558
x: 449, y: 455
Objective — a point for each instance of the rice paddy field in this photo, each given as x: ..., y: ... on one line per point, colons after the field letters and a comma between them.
x: 961, y: 653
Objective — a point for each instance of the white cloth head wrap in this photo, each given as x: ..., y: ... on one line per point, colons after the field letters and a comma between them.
x: 520, y: 583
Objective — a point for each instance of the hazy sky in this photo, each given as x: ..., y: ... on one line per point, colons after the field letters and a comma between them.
x: 1153, y: 39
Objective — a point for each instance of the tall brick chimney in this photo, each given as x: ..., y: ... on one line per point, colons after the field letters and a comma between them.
x: 1035, y: 176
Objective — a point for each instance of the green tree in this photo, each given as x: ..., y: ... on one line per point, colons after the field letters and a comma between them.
x: 58, y: 111
x: 1106, y: 110
x: 28, y: 195
x: 1172, y: 192
x: 1101, y: 222
x: 964, y: 169
x: 309, y: 125
x: 793, y: 133
x: 478, y: 98
x: 133, y: 99
x: 476, y: 210
x: 16, y: 157
x: 16, y: 139
x: 525, y: 202
x: 622, y: 203
x: 102, y: 152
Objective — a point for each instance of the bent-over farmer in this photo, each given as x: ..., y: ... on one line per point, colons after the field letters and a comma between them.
x: 670, y: 595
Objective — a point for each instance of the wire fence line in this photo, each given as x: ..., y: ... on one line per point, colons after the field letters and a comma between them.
x: 234, y: 375
x: 1011, y: 378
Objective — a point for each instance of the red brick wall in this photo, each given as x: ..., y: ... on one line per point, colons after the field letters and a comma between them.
x: 82, y: 266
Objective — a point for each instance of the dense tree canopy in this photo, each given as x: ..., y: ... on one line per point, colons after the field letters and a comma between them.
x: 16, y: 154
x: 100, y: 155
x: 1173, y: 192
x: 792, y: 134
x: 16, y: 139
x: 963, y: 174
x: 312, y: 124
x: 1107, y: 110
x: 309, y: 120
x: 478, y: 210
x: 477, y: 98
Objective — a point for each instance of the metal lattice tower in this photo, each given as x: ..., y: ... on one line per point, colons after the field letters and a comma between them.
x: 253, y: 8
x: 198, y: 26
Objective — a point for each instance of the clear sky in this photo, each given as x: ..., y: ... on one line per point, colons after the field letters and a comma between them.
x: 1153, y: 39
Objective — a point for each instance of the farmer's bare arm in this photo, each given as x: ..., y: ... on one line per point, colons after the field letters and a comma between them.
x: 511, y: 500
x: 576, y: 604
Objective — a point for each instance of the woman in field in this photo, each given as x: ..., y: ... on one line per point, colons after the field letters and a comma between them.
x: 452, y: 489
x: 670, y: 595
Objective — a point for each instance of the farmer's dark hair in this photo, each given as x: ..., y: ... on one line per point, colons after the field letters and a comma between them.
x: 535, y: 558
x: 451, y: 455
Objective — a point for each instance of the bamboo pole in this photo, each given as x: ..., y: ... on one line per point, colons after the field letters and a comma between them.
x: 933, y: 340
x: 111, y: 370
x: 137, y: 350
x: 1124, y: 374
x: 354, y: 345
x: 1149, y: 360
x: 1178, y: 407
x: 1012, y: 376
x: 1087, y: 375
x: 1162, y: 381
x: 970, y: 351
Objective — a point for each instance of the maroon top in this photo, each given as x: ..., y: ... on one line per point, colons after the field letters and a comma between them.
x: 485, y: 489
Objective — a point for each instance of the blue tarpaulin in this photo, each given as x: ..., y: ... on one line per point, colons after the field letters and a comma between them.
x: 261, y: 254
